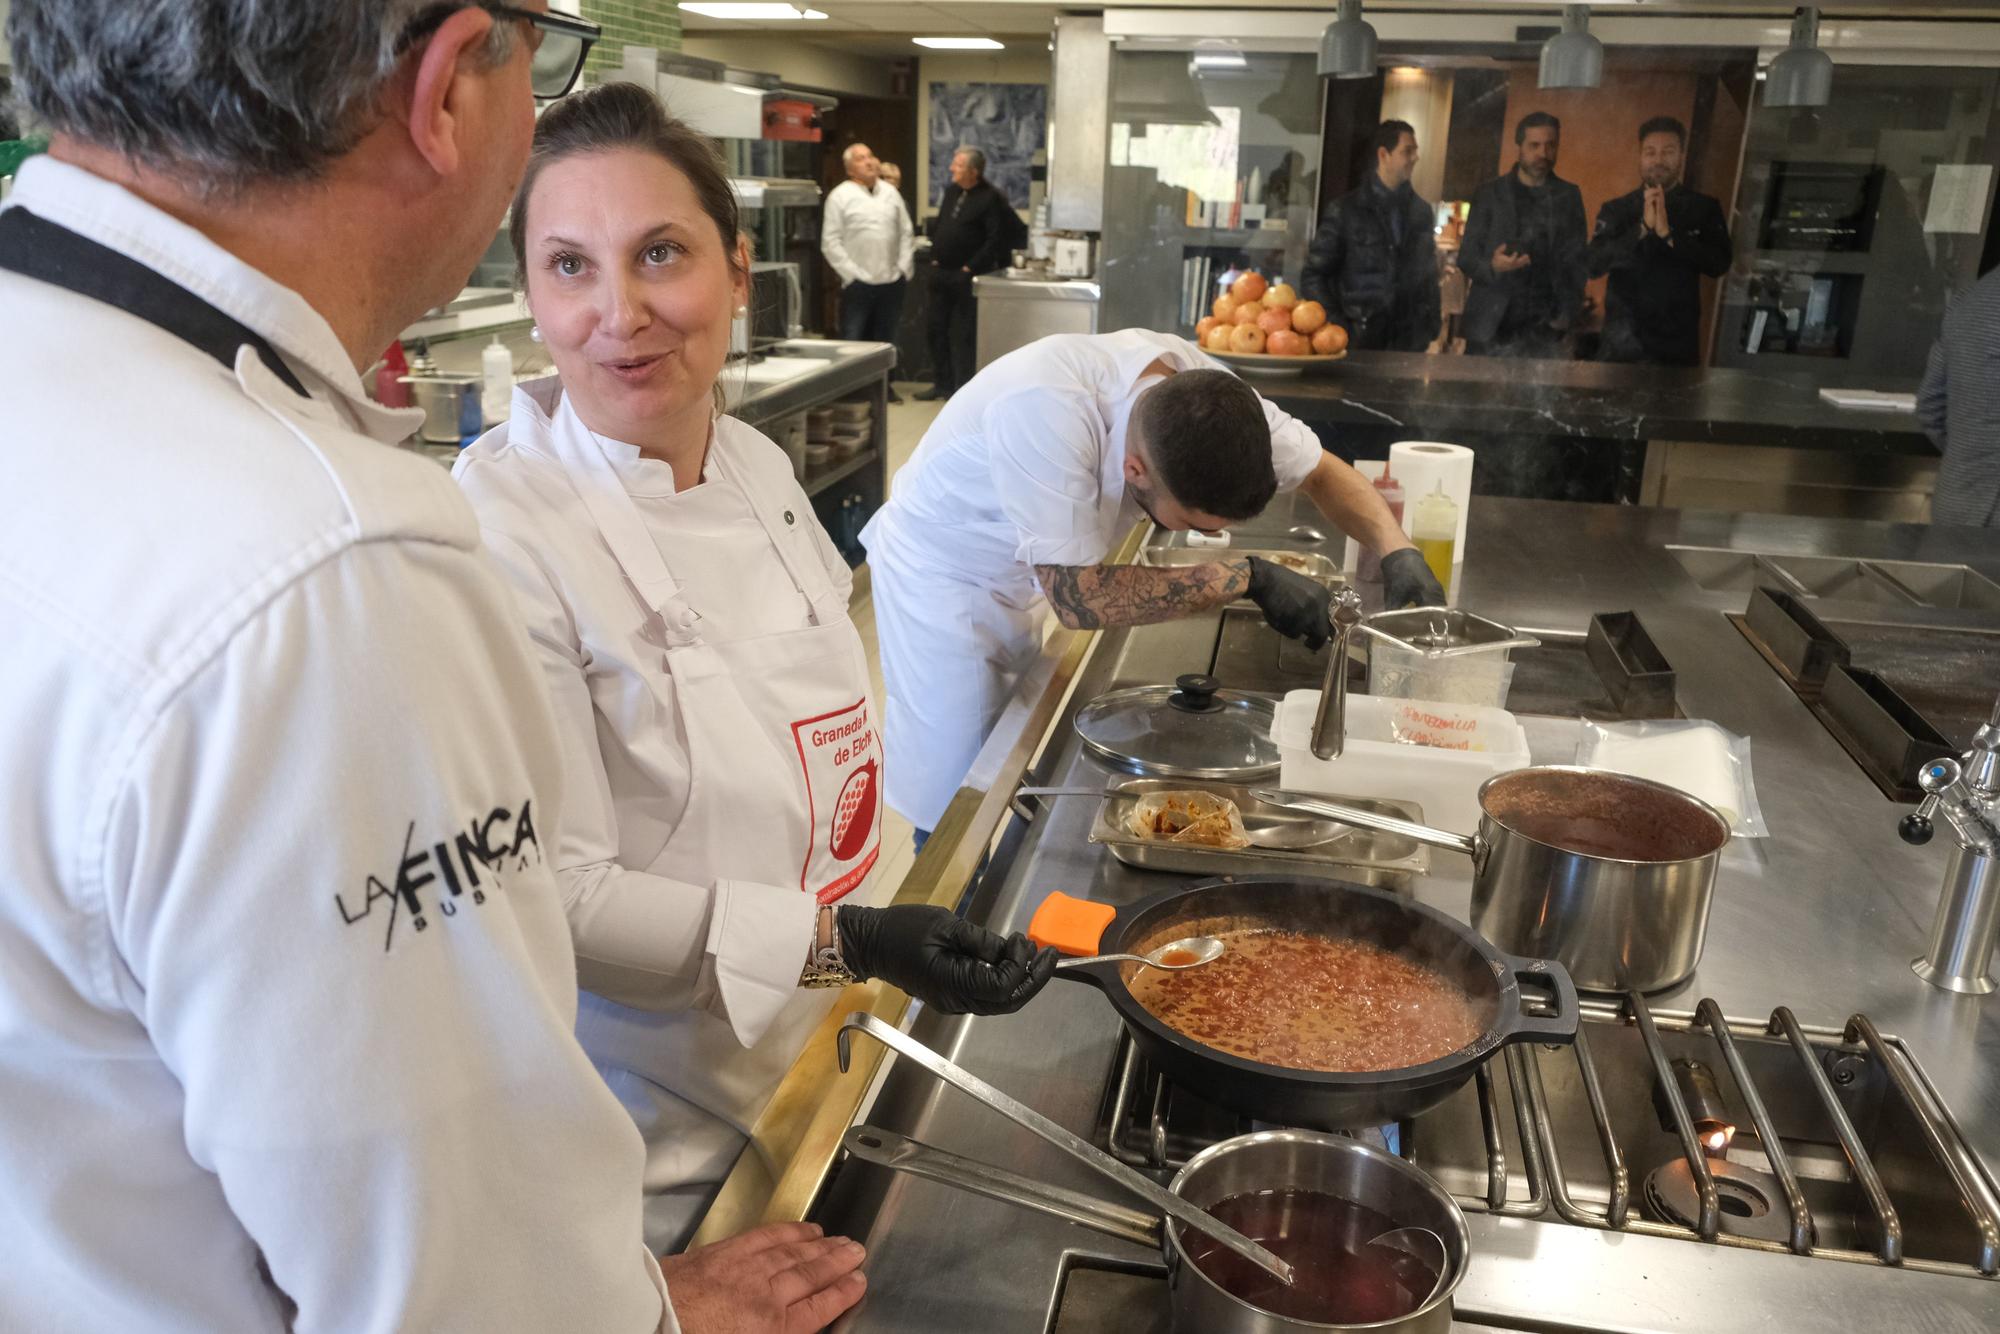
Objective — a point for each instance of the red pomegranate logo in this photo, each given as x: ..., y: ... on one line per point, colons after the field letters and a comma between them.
x: 854, y: 814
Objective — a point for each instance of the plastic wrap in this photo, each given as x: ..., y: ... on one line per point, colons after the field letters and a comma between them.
x: 1698, y: 757
x: 1197, y: 819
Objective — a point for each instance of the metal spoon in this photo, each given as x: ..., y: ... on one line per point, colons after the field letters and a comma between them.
x: 1203, y: 949
x: 1395, y: 1239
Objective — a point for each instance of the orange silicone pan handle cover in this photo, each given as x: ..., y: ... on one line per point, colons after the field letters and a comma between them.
x: 1074, y: 926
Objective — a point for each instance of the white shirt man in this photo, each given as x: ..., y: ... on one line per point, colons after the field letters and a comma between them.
x: 866, y: 234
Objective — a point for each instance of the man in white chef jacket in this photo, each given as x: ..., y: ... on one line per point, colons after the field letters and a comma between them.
x: 286, y: 987
x: 866, y: 234
x: 1024, y: 485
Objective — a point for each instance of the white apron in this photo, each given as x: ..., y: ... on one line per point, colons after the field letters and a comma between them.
x: 784, y: 788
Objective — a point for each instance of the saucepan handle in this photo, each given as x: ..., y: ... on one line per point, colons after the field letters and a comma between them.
x: 1556, y: 1027
x: 1075, y: 927
x: 898, y: 1153
x: 1375, y: 820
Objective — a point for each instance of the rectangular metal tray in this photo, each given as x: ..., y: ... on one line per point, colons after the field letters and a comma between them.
x: 1633, y: 669
x: 1361, y: 857
x: 1892, y: 740
x: 1796, y: 639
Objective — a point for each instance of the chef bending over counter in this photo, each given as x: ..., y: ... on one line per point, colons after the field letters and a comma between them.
x: 1021, y: 489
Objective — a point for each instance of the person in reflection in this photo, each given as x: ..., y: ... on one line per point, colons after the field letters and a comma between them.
x: 1959, y: 406
x: 1524, y: 251
x: 1373, y: 261
x: 1658, y: 243
x: 968, y: 238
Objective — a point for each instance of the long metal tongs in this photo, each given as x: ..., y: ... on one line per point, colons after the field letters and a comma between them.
x: 1168, y: 1203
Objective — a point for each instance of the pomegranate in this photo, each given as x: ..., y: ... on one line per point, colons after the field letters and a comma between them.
x: 854, y: 814
x: 1246, y: 338
x: 1309, y: 317
x: 1250, y: 287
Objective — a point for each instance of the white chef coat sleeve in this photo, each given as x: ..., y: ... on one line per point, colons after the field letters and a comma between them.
x: 906, y: 254
x: 646, y: 940
x: 327, y: 904
x: 833, y: 238
x: 1295, y: 447
x: 1044, y: 448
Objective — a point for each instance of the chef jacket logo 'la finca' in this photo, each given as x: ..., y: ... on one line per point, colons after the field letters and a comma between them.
x: 461, y: 866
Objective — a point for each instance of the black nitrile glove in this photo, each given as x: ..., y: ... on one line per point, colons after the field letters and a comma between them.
x: 1293, y: 604
x: 1407, y: 581
x: 941, y: 959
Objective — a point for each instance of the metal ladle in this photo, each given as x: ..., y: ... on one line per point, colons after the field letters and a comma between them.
x: 1202, y: 949
x: 1437, y: 1266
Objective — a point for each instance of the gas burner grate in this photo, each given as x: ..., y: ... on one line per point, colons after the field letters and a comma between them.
x: 1794, y: 1173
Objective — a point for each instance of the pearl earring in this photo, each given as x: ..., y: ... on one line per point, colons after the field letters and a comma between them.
x: 534, y: 333
x: 741, y: 311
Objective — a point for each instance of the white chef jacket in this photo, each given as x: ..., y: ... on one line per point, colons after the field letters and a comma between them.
x: 866, y: 234
x: 642, y: 939
x: 284, y: 973
x: 1025, y: 466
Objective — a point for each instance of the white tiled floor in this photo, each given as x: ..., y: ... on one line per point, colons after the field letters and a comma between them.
x: 908, y: 421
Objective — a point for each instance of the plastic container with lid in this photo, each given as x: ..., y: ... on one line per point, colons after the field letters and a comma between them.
x: 1431, y: 753
x: 1191, y: 729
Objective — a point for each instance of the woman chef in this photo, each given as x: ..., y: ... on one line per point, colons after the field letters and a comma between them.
x: 723, y: 758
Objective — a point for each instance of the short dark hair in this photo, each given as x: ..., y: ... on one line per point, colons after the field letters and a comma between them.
x: 1389, y: 134
x: 1206, y: 438
x: 1664, y: 125
x: 1535, y: 120
x: 625, y: 115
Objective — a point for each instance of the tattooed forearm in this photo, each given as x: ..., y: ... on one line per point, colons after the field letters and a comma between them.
x: 1099, y: 597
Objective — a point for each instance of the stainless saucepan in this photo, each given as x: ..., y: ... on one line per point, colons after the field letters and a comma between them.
x: 1412, y: 1231
x: 1610, y: 875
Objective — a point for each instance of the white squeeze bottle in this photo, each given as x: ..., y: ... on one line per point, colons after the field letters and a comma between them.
x: 1434, y: 528
x: 496, y: 372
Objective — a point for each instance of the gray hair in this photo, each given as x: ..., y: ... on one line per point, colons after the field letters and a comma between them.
x: 847, y: 154
x: 973, y: 158
x: 229, y: 92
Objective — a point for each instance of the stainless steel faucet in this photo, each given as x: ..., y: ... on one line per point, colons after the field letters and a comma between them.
x: 1967, y: 791
x: 1330, y: 723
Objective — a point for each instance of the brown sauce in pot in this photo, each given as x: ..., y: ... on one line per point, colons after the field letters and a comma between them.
x: 1310, y: 1002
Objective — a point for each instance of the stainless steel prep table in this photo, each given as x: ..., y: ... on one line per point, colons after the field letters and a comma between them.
x: 1823, y: 917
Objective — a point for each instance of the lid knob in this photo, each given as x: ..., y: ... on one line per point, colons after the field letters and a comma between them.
x: 1195, y: 693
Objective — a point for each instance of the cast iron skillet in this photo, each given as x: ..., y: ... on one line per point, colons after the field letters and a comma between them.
x: 1325, y: 907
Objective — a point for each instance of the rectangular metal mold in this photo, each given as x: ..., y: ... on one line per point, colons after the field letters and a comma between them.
x: 1795, y: 638
x: 1633, y: 669
x: 1890, y: 737
x: 1382, y: 860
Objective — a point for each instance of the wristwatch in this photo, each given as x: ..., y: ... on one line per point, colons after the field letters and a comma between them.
x: 824, y: 966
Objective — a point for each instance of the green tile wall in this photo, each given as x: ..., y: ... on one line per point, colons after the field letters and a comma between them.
x: 654, y: 23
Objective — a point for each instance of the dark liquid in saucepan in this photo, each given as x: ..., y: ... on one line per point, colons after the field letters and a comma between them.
x: 1340, y: 1278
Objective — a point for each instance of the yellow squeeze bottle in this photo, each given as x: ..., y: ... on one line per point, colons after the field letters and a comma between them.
x: 1434, y: 528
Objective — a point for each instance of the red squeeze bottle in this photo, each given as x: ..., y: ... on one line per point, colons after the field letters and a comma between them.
x: 390, y: 391
x: 1370, y: 565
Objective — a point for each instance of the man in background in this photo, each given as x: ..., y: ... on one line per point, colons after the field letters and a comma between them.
x: 1959, y: 406
x: 1658, y: 243
x: 968, y: 238
x: 1524, y: 251
x: 868, y: 239
x: 1373, y: 261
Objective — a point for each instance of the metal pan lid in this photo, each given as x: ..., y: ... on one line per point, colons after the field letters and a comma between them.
x: 1191, y: 729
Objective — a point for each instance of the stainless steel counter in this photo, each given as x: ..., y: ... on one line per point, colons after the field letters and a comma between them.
x: 1824, y: 917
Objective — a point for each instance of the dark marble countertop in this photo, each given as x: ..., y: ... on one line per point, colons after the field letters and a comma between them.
x: 1443, y: 395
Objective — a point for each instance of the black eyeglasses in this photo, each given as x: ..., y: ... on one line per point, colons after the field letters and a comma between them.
x: 557, y: 42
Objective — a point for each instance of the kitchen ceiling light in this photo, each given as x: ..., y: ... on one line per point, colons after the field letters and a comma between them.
x: 1801, y: 74
x: 1347, y: 47
x: 1573, y: 58
x: 748, y: 9
x: 960, y: 43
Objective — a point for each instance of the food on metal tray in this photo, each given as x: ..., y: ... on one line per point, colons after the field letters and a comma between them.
x: 1198, y: 819
x: 1312, y: 1002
